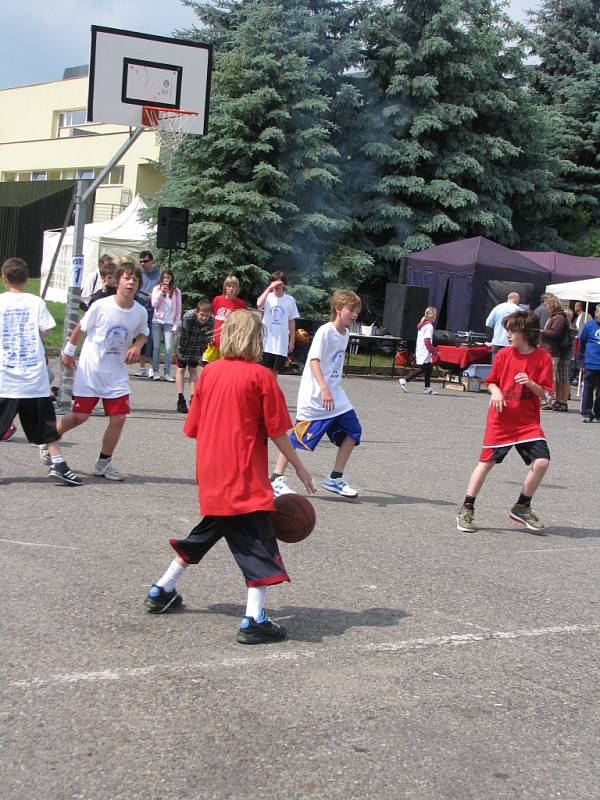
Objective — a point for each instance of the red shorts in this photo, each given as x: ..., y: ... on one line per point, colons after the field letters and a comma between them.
x: 112, y: 405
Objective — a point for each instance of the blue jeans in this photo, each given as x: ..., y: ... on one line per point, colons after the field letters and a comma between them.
x: 160, y: 332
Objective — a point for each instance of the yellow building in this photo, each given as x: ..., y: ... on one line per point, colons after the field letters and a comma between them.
x: 44, y: 136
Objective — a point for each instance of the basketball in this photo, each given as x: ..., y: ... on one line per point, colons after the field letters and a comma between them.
x: 302, y: 336
x: 294, y: 518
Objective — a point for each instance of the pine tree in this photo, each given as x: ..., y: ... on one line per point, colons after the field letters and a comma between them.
x: 458, y: 139
x: 567, y: 42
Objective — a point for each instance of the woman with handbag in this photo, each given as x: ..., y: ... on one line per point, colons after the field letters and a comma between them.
x: 425, y: 352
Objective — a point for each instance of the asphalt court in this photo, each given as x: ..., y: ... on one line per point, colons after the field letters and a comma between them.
x: 421, y: 662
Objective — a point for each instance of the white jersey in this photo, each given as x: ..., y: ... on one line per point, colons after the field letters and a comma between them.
x: 23, y: 371
x: 422, y: 354
x: 101, y: 371
x: 277, y: 313
x: 329, y: 347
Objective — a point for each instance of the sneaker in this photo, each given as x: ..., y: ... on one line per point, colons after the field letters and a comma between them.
x: 141, y: 373
x: 155, y: 377
x: 464, y: 519
x: 339, y: 486
x: 588, y: 419
x: 104, y: 469
x: 8, y: 433
x: 182, y: 406
x: 150, y: 372
x: 160, y: 602
x: 403, y: 384
x: 523, y: 515
x: 262, y: 632
x: 429, y: 390
x: 62, y: 473
x: 280, y: 487
x: 169, y: 379
x: 45, y: 455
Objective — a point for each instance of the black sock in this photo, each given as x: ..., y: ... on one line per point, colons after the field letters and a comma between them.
x: 181, y: 397
x: 103, y: 456
x: 469, y: 501
x: 524, y: 500
x: 275, y: 475
x: 336, y: 475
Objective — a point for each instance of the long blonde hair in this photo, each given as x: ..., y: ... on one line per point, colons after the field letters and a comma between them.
x: 429, y: 314
x: 241, y: 336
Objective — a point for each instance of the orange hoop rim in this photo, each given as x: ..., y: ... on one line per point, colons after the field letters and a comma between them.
x: 151, y: 115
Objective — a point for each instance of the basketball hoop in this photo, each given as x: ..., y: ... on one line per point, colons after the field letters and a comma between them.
x: 170, y: 125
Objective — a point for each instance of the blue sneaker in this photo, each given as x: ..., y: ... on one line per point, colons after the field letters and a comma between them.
x: 339, y: 486
x: 160, y: 602
x: 261, y: 631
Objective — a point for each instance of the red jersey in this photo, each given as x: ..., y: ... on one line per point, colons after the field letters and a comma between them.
x: 519, y: 421
x: 237, y: 406
x: 222, y: 308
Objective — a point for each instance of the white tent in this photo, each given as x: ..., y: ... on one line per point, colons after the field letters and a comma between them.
x: 587, y: 291
x: 122, y: 236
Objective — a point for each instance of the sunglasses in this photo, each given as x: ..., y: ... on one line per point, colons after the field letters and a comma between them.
x: 145, y: 260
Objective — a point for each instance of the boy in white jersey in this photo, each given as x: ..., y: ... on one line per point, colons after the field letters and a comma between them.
x: 323, y: 407
x: 280, y: 313
x: 110, y: 324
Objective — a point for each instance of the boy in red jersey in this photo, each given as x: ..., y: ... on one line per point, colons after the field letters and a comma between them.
x: 520, y: 376
x: 237, y: 406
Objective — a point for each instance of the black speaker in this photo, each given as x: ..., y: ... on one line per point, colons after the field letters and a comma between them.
x: 445, y: 337
x: 172, y: 228
x: 404, y: 306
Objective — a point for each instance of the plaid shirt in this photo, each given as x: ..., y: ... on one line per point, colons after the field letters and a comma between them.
x: 194, y: 337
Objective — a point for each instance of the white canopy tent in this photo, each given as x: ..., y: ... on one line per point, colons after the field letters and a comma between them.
x: 122, y: 236
x: 587, y: 291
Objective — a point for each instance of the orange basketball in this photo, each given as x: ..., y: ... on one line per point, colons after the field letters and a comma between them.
x: 294, y: 518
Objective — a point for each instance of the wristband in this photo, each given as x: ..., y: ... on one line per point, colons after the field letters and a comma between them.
x: 69, y: 349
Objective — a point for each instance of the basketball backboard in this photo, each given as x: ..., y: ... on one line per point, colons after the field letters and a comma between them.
x: 130, y: 70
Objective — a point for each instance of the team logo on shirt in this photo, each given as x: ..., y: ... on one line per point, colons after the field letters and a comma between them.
x: 337, y: 362
x: 116, y: 340
x: 276, y: 315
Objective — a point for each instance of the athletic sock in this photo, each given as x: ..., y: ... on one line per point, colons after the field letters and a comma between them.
x: 180, y: 396
x: 104, y: 457
x: 171, y: 576
x: 335, y: 475
x: 275, y: 475
x: 524, y: 500
x: 469, y: 502
x: 256, y: 601
x: 57, y: 459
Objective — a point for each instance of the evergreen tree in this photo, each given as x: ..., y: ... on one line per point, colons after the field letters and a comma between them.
x: 457, y: 138
x: 567, y: 79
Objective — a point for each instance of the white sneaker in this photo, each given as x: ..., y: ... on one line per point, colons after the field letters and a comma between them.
x: 169, y: 379
x: 339, y: 486
x: 429, y: 390
x: 150, y: 372
x: 280, y: 487
x: 104, y: 469
x: 402, y: 382
x: 45, y: 455
x: 155, y: 377
x: 141, y: 373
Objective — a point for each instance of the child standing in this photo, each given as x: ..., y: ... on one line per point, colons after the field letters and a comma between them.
x: 323, y: 407
x: 224, y: 304
x: 279, y: 320
x: 24, y: 385
x: 166, y: 302
x: 424, y: 351
x: 107, y: 276
x: 520, y: 375
x: 110, y: 325
x: 195, y: 334
x: 237, y: 405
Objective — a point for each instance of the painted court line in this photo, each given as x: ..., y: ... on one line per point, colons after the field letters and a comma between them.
x: 40, y: 544
x: 555, y: 550
x: 406, y: 645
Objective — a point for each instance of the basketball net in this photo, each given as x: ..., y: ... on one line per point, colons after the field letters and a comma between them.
x: 170, y: 125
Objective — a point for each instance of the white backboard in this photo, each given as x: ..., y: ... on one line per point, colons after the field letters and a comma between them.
x: 129, y: 70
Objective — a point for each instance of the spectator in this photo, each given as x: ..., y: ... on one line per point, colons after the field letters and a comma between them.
x: 554, y: 340
x: 581, y: 316
x: 496, y: 319
x: 92, y: 283
x: 279, y: 322
x: 195, y: 334
x: 225, y: 303
x: 166, y: 302
x: 424, y: 352
x: 150, y: 278
x: 541, y: 312
x: 589, y: 352
x: 108, y: 285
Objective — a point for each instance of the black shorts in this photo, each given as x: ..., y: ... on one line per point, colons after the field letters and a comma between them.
x: 36, y: 414
x: 271, y: 361
x: 251, y: 540
x: 182, y: 363
x: 528, y: 451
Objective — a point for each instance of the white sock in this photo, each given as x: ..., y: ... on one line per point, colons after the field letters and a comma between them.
x: 171, y: 576
x: 256, y: 601
x: 57, y: 459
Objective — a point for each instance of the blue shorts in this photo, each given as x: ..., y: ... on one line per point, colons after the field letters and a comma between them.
x: 307, y: 433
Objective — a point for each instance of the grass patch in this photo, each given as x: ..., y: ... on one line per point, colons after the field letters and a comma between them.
x: 56, y: 309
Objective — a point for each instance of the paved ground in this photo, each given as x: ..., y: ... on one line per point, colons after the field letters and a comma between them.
x: 421, y: 662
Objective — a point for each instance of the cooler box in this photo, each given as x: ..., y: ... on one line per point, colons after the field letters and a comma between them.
x: 471, y: 383
x: 480, y: 371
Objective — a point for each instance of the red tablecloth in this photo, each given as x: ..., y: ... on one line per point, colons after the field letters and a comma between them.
x: 464, y: 356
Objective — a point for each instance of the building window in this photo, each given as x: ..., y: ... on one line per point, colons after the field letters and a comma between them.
x: 86, y: 173
x: 114, y: 177
x: 39, y: 176
x: 69, y: 119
